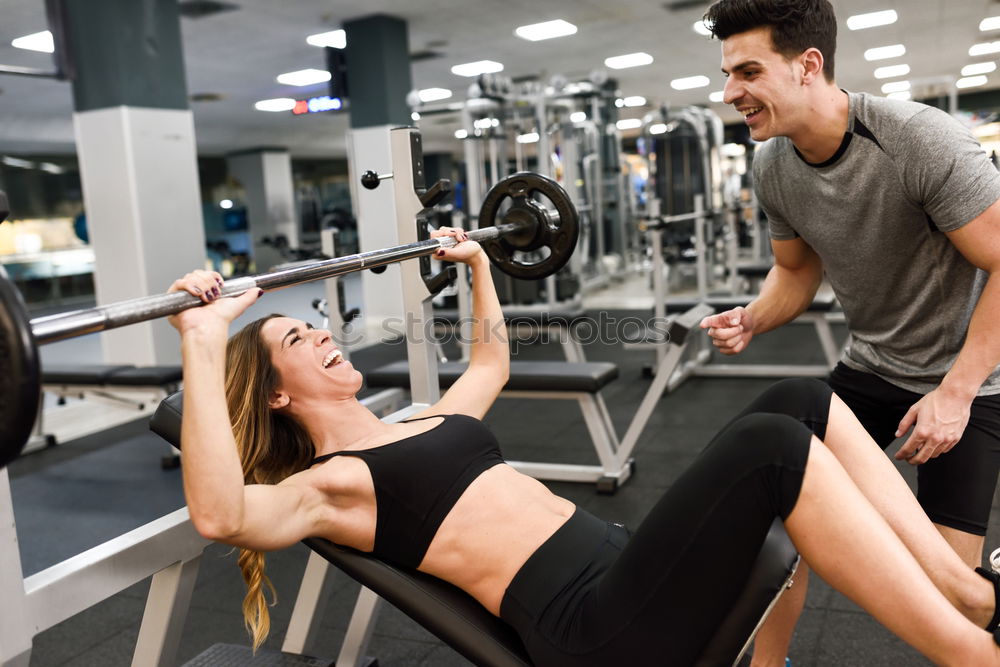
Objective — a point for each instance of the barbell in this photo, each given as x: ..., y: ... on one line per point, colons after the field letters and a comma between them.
x: 526, y: 240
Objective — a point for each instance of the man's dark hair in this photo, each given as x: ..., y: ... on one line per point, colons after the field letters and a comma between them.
x: 796, y: 25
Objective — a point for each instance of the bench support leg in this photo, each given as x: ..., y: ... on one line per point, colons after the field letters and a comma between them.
x: 166, y: 609
x: 359, y: 631
x: 303, y: 624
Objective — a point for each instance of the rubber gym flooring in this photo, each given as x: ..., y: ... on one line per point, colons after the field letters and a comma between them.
x: 81, y: 493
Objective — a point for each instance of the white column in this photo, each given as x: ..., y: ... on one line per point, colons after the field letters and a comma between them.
x: 369, y: 149
x: 140, y: 191
x: 266, y: 177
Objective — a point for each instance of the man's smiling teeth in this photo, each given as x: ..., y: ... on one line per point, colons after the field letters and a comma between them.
x: 750, y: 111
x: 333, y: 358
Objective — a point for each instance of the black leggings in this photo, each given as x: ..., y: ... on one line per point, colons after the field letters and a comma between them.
x: 594, y: 595
x: 956, y: 488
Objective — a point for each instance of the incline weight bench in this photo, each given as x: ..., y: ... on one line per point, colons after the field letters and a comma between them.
x: 458, y: 619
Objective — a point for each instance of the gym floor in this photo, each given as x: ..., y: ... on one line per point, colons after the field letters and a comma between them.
x: 81, y: 493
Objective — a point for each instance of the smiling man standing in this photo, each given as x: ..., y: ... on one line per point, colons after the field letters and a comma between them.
x: 897, y: 205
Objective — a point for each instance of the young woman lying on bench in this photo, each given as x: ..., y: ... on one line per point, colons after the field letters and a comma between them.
x: 277, y: 448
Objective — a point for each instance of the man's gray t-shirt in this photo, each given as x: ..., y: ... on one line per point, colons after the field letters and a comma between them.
x: 876, y: 213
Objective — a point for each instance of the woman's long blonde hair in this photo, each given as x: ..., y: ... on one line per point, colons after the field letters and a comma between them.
x: 272, y: 446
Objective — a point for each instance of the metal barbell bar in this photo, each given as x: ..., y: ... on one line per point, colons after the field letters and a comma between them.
x: 525, y: 227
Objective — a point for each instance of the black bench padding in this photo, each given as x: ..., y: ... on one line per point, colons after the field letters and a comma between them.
x: 450, y: 613
x: 111, y: 374
x: 539, y: 318
x: 588, y: 376
x: 95, y: 374
x: 820, y: 304
x: 147, y: 376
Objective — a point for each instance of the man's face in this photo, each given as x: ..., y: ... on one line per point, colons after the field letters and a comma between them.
x: 761, y: 84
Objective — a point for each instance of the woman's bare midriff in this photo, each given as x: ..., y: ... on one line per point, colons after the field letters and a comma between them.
x: 496, y: 524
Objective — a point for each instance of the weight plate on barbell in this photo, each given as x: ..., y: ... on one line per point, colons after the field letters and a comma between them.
x: 518, y: 253
x: 20, y: 376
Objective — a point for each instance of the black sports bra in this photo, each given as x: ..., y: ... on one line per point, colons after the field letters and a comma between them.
x: 419, y: 479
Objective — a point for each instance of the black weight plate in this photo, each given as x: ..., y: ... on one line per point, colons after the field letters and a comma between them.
x: 558, y: 236
x: 20, y: 377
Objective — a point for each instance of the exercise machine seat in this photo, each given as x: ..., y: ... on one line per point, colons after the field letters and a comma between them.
x: 462, y: 623
x: 587, y: 376
x: 80, y: 374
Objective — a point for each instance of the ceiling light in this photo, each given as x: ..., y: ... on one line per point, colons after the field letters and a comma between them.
x: 226, y: 204
x: 979, y: 68
x: 984, y: 48
x: 335, y: 38
x: 871, y: 20
x: 657, y: 128
x: 414, y: 116
x: 628, y: 60
x: 992, y: 23
x: 546, y: 30
x: 891, y: 71
x: 971, y: 82
x: 578, y: 116
x: 461, y: 134
x: 529, y: 138
x: 51, y: 168
x: 902, y: 95
x: 895, y: 87
x: 433, y: 94
x: 17, y: 162
x: 717, y: 96
x: 485, y: 123
x: 277, y: 104
x: 885, y: 52
x: 689, y: 82
x: 634, y: 101
x: 629, y: 123
x: 701, y: 28
x: 39, y: 41
x: 477, y: 68
x: 304, y: 77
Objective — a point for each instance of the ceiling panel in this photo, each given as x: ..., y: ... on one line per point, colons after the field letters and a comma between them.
x: 237, y: 55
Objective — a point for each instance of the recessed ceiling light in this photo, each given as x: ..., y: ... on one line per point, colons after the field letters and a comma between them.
x: 689, y: 82
x: 892, y: 70
x: 979, y: 68
x: 984, y: 48
x: 971, y: 82
x: 226, y: 203
x: 476, y: 68
x: 717, y: 96
x: 461, y: 134
x: 414, y: 116
x: 578, y: 116
x: 657, y: 128
x: 902, y: 95
x: 634, y: 101
x: 629, y: 123
x: 38, y: 41
x: 529, y: 138
x: 304, y: 77
x: 872, y: 19
x: 277, y: 104
x: 433, y: 94
x: 895, y: 87
x: 628, y: 60
x: 702, y: 29
x: 885, y: 52
x: 546, y: 30
x: 991, y: 23
x: 335, y: 38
